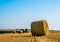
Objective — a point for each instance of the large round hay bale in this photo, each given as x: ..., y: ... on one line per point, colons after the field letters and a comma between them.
x: 39, y: 28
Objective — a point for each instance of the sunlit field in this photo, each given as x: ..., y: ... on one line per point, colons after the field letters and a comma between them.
x: 54, y: 36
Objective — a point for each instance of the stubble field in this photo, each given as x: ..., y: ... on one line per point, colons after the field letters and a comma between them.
x: 54, y: 36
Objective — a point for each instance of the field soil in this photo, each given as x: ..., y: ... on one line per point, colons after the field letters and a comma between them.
x: 54, y: 36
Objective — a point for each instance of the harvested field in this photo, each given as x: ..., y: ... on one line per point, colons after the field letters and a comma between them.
x: 54, y: 36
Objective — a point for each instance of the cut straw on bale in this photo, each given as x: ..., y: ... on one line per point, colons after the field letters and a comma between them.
x: 39, y: 28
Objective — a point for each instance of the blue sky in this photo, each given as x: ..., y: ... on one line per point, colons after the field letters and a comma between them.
x: 20, y: 13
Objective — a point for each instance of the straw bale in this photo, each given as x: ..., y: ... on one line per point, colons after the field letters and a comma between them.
x: 39, y: 28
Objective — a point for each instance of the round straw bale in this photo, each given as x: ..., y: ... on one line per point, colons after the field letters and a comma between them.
x: 39, y: 28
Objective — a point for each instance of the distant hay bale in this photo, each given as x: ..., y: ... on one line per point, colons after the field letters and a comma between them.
x: 19, y: 31
x: 39, y: 28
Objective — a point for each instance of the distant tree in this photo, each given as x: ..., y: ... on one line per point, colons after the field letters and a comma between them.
x: 26, y: 30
